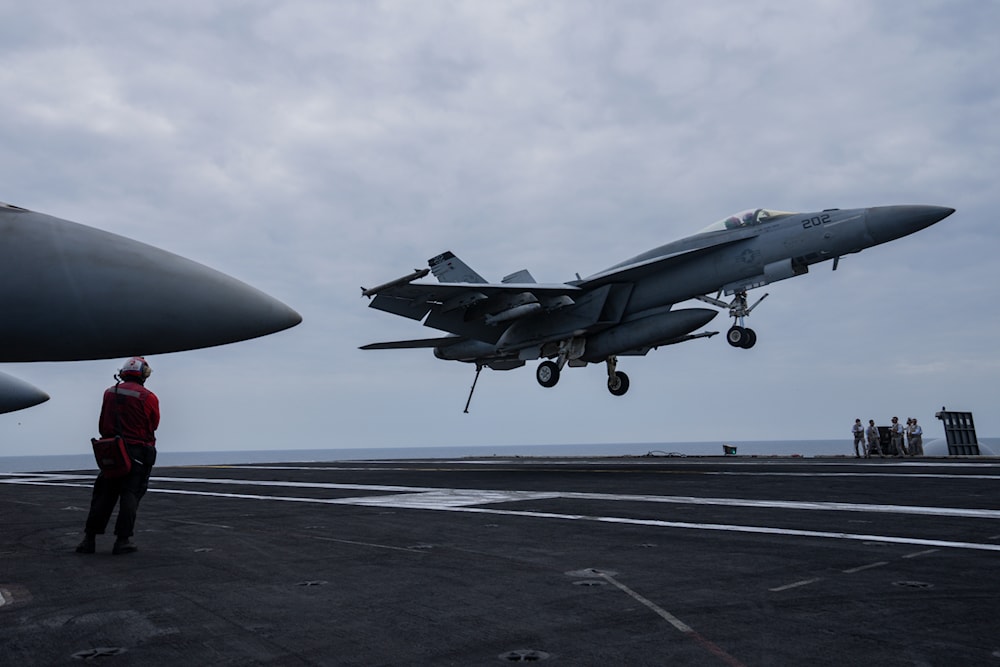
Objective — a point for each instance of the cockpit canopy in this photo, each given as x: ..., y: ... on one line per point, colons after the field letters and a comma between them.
x: 747, y: 218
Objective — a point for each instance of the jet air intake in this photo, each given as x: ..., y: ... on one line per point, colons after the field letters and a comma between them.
x: 646, y: 332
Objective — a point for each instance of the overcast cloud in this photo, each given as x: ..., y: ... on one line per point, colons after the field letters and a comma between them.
x: 309, y: 148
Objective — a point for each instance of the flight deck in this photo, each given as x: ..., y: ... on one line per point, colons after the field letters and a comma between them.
x: 491, y: 561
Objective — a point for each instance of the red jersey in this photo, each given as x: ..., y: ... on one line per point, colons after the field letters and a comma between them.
x: 131, y: 410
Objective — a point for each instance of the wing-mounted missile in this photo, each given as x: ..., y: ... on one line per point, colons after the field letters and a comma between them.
x: 16, y: 394
x: 556, y: 302
x: 405, y: 280
x: 503, y: 307
x: 463, y: 300
x: 509, y: 306
x: 512, y: 307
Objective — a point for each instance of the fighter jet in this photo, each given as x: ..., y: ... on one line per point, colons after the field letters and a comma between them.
x: 630, y: 308
x: 70, y: 292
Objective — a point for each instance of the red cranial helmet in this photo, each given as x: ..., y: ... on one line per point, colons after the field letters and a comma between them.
x: 135, y: 368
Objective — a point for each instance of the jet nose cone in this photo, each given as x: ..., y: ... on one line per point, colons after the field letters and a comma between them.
x: 17, y: 394
x: 892, y: 222
x: 72, y: 292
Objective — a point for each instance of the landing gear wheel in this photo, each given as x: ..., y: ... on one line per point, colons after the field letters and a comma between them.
x: 749, y: 339
x: 737, y: 336
x: 618, y: 385
x: 547, y: 374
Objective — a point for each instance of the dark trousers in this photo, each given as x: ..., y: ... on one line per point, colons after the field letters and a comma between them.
x: 126, y: 492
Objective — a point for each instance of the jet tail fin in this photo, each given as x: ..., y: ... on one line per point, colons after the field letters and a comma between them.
x: 522, y: 276
x: 450, y: 269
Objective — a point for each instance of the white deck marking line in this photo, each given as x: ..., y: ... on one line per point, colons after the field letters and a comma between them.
x: 797, y: 584
x: 368, y: 544
x: 198, y: 523
x: 41, y: 477
x: 670, y: 618
x: 606, y: 519
x: 611, y: 467
x: 35, y: 482
x: 448, y: 498
x: 495, y: 496
x: 794, y: 504
x: 674, y: 621
x: 297, y: 485
x: 463, y: 506
x: 737, y: 529
x: 89, y: 479
x: 920, y: 475
x: 862, y: 568
x: 919, y: 553
x: 393, y: 464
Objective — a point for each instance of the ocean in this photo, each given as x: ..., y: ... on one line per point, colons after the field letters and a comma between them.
x: 165, y: 457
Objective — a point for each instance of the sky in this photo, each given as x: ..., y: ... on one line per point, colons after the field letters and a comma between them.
x: 309, y: 148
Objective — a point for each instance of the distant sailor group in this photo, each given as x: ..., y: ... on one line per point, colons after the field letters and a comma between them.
x: 868, y: 440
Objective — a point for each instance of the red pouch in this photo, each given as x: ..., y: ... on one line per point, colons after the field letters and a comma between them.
x: 112, y: 456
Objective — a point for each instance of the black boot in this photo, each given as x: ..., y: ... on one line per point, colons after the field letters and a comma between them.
x: 87, y: 546
x: 124, y: 546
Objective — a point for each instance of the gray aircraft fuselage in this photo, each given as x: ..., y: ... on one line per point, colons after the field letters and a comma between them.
x: 785, y: 246
x: 739, y: 259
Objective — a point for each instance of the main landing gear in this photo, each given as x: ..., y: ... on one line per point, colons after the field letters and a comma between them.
x: 548, y: 371
x: 617, y: 381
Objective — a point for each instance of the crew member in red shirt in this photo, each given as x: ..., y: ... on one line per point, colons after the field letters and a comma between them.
x: 133, y: 412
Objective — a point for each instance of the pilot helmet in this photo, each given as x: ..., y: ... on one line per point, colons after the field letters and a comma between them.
x: 135, y: 368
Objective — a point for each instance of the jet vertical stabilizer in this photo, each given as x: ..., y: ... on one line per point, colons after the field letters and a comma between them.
x: 448, y: 268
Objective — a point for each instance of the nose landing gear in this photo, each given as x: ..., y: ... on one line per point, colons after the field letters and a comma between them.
x: 741, y: 337
x: 738, y: 335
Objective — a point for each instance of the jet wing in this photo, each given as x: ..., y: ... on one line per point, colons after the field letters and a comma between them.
x: 471, y: 309
x: 422, y: 297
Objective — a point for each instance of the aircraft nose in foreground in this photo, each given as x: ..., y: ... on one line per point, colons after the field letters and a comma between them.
x: 72, y: 292
x: 17, y: 394
x: 892, y: 222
